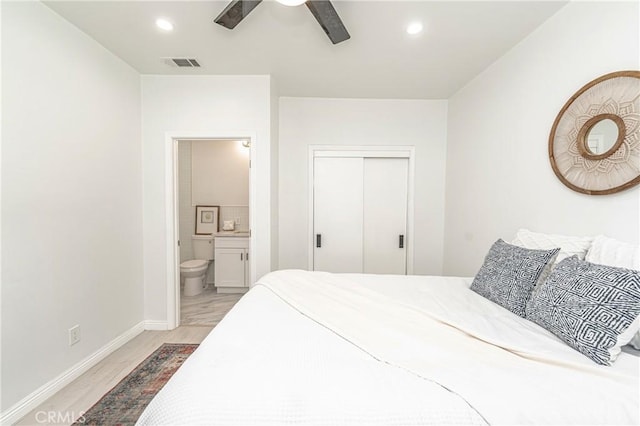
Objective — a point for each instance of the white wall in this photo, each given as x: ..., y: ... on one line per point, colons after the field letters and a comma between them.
x: 275, y: 151
x: 498, y: 173
x: 219, y: 173
x: 204, y: 105
x: 186, y: 211
x: 312, y: 121
x: 72, y: 197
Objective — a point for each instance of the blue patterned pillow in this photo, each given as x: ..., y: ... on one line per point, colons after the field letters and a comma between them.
x: 590, y: 307
x: 510, y: 273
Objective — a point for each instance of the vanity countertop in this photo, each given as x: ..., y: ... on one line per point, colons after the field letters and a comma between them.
x: 232, y: 234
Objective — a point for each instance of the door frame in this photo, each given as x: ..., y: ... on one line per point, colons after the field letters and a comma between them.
x: 364, y: 151
x: 172, y: 206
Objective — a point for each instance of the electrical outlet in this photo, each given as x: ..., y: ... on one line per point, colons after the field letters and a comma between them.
x: 74, y: 335
x: 237, y: 221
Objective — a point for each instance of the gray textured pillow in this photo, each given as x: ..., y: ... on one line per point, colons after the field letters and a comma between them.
x: 590, y: 307
x: 509, y: 274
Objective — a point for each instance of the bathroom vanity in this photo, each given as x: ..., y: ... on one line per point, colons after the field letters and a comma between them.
x: 232, y: 262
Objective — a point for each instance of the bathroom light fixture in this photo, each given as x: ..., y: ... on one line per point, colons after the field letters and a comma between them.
x: 246, y: 144
x: 163, y: 24
x: 414, y: 28
x: 291, y: 2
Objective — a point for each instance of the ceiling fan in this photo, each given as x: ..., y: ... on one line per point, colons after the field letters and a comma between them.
x: 323, y: 10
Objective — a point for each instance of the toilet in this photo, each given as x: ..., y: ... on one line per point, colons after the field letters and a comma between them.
x: 194, y: 272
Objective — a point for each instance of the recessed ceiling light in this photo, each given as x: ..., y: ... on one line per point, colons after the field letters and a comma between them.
x: 291, y: 2
x: 163, y: 24
x: 414, y: 28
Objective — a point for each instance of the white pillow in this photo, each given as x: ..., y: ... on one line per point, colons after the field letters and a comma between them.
x: 611, y: 252
x: 569, y: 246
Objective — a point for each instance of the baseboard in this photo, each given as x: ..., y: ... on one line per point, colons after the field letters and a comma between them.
x: 44, y: 392
x: 155, y: 325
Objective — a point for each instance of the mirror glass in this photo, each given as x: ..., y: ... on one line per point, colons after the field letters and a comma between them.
x: 602, y: 136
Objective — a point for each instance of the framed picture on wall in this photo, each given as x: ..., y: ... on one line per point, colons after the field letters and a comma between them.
x: 207, y: 219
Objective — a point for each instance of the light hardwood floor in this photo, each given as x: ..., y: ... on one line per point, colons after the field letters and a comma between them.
x: 86, y: 390
x: 207, y: 308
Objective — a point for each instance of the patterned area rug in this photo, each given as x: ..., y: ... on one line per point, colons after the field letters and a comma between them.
x: 124, y: 404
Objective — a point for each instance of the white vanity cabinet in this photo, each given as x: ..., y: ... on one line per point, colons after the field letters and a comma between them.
x: 231, y: 263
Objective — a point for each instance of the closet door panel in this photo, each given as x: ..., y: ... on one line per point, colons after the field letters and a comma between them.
x: 337, y: 206
x: 385, y: 215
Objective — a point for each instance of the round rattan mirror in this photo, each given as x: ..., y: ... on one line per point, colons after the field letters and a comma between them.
x: 594, y: 145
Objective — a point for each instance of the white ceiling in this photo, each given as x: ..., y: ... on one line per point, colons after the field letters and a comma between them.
x: 379, y: 61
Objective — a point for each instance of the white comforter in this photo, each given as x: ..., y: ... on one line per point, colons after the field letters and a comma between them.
x: 326, y: 349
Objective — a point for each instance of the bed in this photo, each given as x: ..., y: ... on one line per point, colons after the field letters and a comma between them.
x: 317, y: 348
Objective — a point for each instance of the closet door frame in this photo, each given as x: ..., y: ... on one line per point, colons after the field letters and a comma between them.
x: 364, y: 151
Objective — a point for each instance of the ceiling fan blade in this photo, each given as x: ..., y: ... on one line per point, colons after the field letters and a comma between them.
x: 329, y: 20
x: 235, y: 12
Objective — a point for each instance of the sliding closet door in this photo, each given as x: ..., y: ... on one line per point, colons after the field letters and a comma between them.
x: 385, y: 215
x: 337, y: 211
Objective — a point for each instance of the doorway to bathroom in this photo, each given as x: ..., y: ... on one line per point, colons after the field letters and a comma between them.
x: 213, y: 199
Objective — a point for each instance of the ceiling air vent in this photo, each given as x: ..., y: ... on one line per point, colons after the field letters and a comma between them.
x: 182, y: 62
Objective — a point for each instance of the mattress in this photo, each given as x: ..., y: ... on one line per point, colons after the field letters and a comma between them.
x: 351, y: 349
